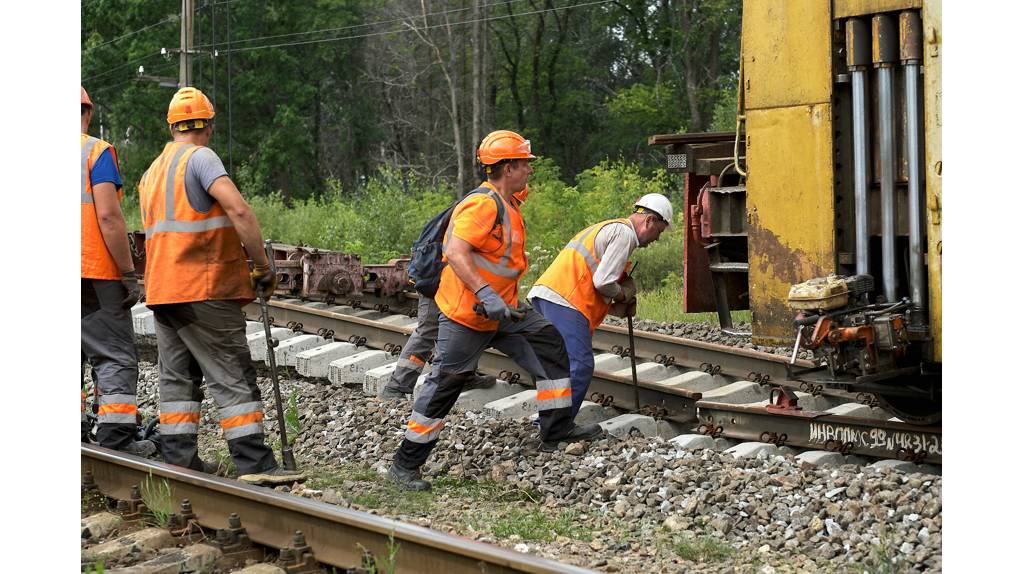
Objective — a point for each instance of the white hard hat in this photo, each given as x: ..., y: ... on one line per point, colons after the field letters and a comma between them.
x: 657, y: 203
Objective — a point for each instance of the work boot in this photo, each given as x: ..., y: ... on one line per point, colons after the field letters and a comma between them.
x: 143, y: 448
x: 576, y: 433
x: 273, y: 477
x: 214, y: 467
x: 391, y: 393
x: 479, y: 382
x: 407, y: 479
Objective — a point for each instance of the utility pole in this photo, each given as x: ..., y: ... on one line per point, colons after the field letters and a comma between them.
x: 185, y: 66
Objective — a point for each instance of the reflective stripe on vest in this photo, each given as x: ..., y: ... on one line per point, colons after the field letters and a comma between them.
x: 117, y: 409
x: 423, y: 429
x: 571, y: 274
x: 554, y: 394
x: 179, y: 417
x: 97, y: 262
x: 86, y: 151
x: 190, y: 255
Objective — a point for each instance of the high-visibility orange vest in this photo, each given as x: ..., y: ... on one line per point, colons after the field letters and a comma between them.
x: 501, y: 261
x: 97, y: 263
x: 571, y: 274
x: 190, y: 256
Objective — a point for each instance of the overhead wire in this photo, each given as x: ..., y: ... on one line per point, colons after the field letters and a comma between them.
x: 119, y: 66
x: 365, y: 25
x: 401, y: 30
x: 171, y: 18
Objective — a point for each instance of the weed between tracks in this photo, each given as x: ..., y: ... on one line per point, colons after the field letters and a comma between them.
x: 158, y: 498
x: 703, y: 548
x: 363, y: 487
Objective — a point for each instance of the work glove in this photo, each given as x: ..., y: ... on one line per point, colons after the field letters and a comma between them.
x: 624, y: 304
x: 263, y: 281
x: 494, y: 307
x: 628, y: 289
x: 131, y: 282
x: 623, y: 308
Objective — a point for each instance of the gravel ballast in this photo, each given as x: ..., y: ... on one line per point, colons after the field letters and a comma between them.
x: 634, y: 505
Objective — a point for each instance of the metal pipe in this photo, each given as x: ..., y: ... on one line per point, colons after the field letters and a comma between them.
x: 884, y: 54
x: 910, y: 54
x: 858, y: 58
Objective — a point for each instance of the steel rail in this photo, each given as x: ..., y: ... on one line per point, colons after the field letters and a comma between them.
x: 815, y: 430
x: 679, y: 404
x: 337, y: 536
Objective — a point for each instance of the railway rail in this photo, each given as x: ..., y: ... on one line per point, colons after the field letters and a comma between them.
x: 330, y: 535
x: 781, y: 420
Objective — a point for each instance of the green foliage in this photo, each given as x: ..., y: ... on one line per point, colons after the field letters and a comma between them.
x: 703, y: 549
x: 158, y: 498
x: 291, y: 415
x: 379, y: 221
x: 534, y: 524
x: 374, y: 564
x: 97, y: 568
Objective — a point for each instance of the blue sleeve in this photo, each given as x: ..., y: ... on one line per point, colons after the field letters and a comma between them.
x: 105, y: 170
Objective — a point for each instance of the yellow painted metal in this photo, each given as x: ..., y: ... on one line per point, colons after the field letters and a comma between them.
x: 931, y: 18
x: 847, y: 8
x: 790, y: 210
x: 790, y: 200
x: 786, y: 53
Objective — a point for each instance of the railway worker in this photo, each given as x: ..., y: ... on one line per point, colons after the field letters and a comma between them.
x: 478, y: 300
x: 416, y: 352
x: 109, y: 290
x: 588, y: 279
x: 197, y: 280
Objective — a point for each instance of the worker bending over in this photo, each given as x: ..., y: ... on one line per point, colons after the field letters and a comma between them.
x: 109, y: 289
x: 588, y: 279
x: 197, y: 281
x: 478, y: 300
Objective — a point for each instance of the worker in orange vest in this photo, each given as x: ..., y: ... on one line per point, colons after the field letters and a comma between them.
x: 479, y: 308
x: 419, y: 348
x: 109, y: 290
x: 588, y: 279
x: 198, y: 233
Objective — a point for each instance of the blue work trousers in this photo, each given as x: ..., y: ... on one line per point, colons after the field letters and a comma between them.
x: 575, y: 331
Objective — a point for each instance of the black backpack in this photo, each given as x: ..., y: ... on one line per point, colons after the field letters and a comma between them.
x: 425, y: 264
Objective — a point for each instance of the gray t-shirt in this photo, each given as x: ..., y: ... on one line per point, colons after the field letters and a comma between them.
x: 203, y: 168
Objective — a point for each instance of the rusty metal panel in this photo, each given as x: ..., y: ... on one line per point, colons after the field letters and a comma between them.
x: 932, y: 21
x: 847, y: 8
x: 790, y: 210
x: 787, y: 58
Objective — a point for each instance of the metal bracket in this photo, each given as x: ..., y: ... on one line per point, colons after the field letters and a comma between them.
x: 298, y: 558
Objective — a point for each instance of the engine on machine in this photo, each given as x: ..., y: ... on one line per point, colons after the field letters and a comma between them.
x: 863, y: 346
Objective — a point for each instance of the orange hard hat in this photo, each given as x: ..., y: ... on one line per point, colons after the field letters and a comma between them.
x: 189, y: 104
x: 503, y: 144
x: 85, y: 97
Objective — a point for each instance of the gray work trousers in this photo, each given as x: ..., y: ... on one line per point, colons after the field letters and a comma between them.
x: 417, y: 350
x: 207, y: 338
x: 533, y: 343
x: 108, y: 343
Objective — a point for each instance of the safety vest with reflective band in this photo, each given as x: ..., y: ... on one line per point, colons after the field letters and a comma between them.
x: 117, y: 409
x: 571, y: 275
x: 190, y: 255
x: 97, y: 263
x: 500, y: 261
